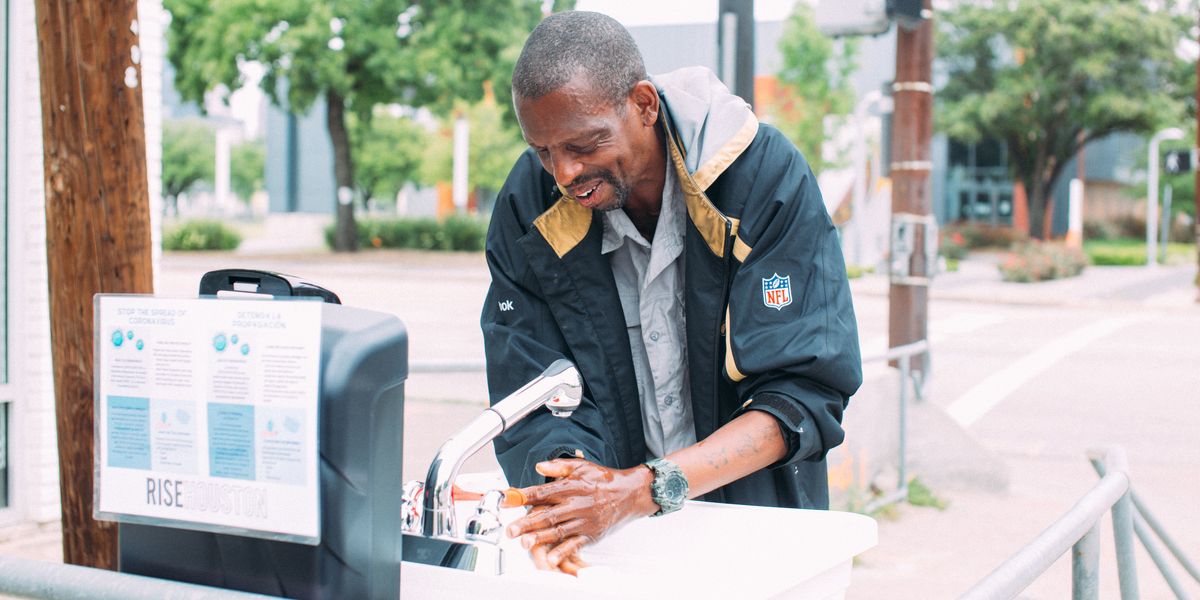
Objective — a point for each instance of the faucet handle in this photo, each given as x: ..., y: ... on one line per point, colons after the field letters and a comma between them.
x: 484, y: 525
x: 411, y: 505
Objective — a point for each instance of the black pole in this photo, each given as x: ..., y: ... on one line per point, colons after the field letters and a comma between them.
x: 735, y: 56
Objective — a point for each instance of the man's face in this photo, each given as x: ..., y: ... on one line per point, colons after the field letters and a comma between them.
x: 592, y: 148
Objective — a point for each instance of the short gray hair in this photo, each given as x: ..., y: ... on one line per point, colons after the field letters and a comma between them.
x: 570, y: 43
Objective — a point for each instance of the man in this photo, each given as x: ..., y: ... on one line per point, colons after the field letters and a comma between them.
x: 680, y: 254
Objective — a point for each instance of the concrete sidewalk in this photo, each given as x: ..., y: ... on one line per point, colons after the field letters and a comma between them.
x: 978, y: 280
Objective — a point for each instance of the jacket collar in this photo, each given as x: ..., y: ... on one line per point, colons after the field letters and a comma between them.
x: 566, y: 222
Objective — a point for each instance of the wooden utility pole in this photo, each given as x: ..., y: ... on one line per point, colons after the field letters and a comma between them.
x: 97, y: 222
x: 912, y: 129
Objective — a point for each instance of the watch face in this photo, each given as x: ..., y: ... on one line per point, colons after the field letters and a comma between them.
x: 676, y: 488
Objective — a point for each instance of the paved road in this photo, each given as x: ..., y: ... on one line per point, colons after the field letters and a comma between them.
x: 1035, y: 375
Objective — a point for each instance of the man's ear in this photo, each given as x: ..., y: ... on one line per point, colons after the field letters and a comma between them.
x: 645, y: 101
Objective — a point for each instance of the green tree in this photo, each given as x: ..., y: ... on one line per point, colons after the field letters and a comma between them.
x: 1047, y: 76
x: 350, y: 54
x: 815, y: 76
x: 247, y: 165
x: 188, y: 158
x: 387, y: 153
x: 493, y: 147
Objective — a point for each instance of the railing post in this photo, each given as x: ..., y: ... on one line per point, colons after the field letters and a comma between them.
x: 1122, y: 516
x: 1085, y: 566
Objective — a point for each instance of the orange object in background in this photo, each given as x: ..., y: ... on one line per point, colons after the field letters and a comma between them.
x: 1020, y: 208
x: 445, y: 200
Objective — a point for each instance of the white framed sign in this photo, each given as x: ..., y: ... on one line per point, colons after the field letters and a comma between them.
x: 206, y: 414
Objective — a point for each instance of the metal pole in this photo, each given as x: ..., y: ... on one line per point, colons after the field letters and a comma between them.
x: 1122, y: 518
x: 1085, y: 566
x: 1172, y: 133
x: 1156, y: 555
x: 1144, y: 513
x: 1021, y: 569
x: 36, y: 579
x: 1164, y: 234
x: 735, y: 39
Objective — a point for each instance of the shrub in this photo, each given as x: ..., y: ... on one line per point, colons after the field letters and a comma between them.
x: 465, y: 233
x: 201, y: 234
x: 1041, y: 261
x: 953, y: 245
x: 1100, y: 230
x: 978, y: 235
x: 457, y: 232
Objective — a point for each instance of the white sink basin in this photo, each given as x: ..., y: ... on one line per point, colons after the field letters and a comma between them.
x: 703, y: 551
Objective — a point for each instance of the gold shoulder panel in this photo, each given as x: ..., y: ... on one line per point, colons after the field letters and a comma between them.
x: 564, y: 225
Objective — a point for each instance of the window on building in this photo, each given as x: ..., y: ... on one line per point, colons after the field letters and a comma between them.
x: 978, y: 186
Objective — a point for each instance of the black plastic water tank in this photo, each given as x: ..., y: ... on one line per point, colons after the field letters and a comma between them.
x: 364, y: 362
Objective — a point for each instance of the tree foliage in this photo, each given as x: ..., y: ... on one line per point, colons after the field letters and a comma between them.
x: 492, y: 149
x: 1047, y: 76
x: 188, y: 157
x: 387, y: 152
x: 815, y: 75
x: 247, y: 168
x: 353, y: 54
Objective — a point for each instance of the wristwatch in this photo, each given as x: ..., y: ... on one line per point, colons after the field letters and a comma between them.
x: 670, y: 486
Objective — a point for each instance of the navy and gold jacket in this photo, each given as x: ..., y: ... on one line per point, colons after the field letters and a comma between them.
x: 769, y: 320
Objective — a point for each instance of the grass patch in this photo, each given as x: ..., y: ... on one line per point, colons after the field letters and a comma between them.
x: 856, y: 271
x: 1132, y: 252
x: 919, y: 494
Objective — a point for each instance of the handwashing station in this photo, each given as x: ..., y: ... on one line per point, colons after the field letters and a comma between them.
x: 251, y: 439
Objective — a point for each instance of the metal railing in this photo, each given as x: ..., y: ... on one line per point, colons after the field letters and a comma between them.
x: 903, y: 356
x: 1079, y: 530
x: 446, y: 366
x: 25, y: 578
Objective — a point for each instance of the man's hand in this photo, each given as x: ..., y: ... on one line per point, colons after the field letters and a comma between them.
x: 588, y: 500
x: 584, y: 502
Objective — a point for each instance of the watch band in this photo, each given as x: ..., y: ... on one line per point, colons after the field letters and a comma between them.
x: 669, y: 488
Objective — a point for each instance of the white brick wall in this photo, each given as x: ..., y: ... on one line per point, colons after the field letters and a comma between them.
x: 33, y: 446
x: 33, y: 454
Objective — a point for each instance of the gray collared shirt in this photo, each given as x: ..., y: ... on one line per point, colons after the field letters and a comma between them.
x: 649, y: 281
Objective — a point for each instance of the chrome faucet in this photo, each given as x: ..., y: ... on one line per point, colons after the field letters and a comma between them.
x: 558, y: 388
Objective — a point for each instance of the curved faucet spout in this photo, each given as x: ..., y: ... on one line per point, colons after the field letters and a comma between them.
x: 558, y: 387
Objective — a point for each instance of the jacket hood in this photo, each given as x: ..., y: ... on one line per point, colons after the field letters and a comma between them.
x: 712, y: 125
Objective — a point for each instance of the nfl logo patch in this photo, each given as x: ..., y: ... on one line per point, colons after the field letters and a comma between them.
x: 777, y: 291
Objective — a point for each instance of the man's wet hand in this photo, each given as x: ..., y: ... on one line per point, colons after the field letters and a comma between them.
x: 585, y: 502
